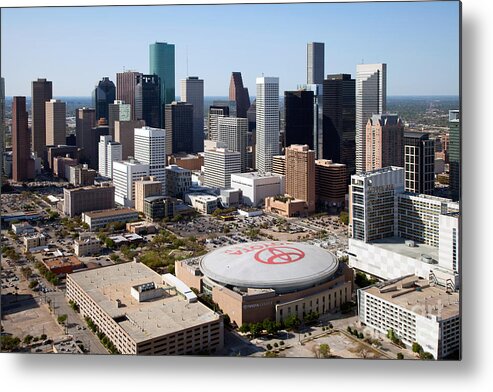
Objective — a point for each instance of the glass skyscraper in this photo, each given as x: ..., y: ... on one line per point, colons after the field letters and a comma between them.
x: 162, y: 63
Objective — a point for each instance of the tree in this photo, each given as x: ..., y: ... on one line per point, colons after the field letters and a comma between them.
x: 269, y: 346
x: 245, y: 328
x: 324, y: 350
x: 425, y: 355
x: 33, y: 284
x: 292, y: 322
x: 109, y: 243
x: 417, y: 348
x: 27, y: 339
x: 9, y: 343
x: 61, y: 319
x: 400, y: 356
x: 256, y: 329
x: 344, y: 217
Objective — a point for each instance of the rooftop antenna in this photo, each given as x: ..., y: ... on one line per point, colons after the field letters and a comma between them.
x: 123, y: 68
x: 362, y: 61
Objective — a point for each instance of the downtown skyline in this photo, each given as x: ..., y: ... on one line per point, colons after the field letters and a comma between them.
x: 423, y: 58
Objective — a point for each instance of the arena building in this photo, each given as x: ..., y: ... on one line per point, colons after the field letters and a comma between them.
x: 269, y: 279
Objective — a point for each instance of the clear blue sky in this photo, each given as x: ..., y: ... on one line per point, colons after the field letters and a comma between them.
x: 75, y: 47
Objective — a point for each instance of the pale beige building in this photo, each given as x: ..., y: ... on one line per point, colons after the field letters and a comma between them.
x: 300, y: 174
x: 86, y: 245
x: 33, y: 241
x: 145, y: 313
x: 146, y: 187
x: 56, y: 122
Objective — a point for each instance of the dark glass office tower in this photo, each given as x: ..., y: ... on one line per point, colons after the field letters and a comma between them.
x: 41, y: 92
x: 148, y: 100
x: 419, y: 162
x: 162, y: 64
x: 239, y: 94
x: 339, y: 120
x: 298, y: 117
x: 454, y: 154
x: 22, y: 164
x: 103, y: 95
x: 179, y: 121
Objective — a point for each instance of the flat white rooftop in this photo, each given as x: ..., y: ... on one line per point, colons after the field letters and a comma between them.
x: 398, y: 245
x: 146, y: 320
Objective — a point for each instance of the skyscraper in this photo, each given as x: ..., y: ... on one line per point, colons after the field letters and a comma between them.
x: 162, y: 63
x: 267, y: 118
x: 125, y: 89
x: 371, y: 98
x: 85, y: 120
x: 41, y: 92
x: 56, y: 122
x: 454, y: 154
x: 179, y: 122
x: 148, y: 100
x: 232, y: 131
x: 109, y: 151
x: 22, y: 164
x: 300, y: 174
x: 124, y: 134
x: 239, y: 94
x: 419, y: 162
x: 384, y: 142
x: 339, y: 112
x: 118, y: 111
x: 315, y: 62
x: 104, y: 94
x: 214, y: 113
x: 298, y: 117
x: 192, y: 91
x: 150, y: 150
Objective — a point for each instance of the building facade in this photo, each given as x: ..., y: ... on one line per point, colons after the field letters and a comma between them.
x: 256, y: 187
x: 41, y: 92
x: 162, y: 64
x: 150, y: 150
x: 179, y: 124
x: 454, y: 154
x: 384, y: 142
x: 22, y: 163
x: 91, y: 198
x: 315, y: 62
x: 232, y: 131
x: 267, y: 120
x: 339, y: 120
x: 126, y: 83
x: 109, y: 151
x: 239, y: 94
x: 125, y: 135
x: 125, y: 174
x: 299, y: 118
x: 103, y: 95
x: 146, y: 187
x: 219, y: 164
x: 56, y: 124
x: 192, y: 92
x: 371, y: 98
x: 148, y: 100
x: 419, y: 162
x: 101, y: 218
x: 300, y: 174
x: 330, y: 184
x: 179, y: 181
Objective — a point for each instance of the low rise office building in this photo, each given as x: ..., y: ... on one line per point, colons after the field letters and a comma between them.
x: 416, y: 311
x: 99, y: 219
x: 145, y: 313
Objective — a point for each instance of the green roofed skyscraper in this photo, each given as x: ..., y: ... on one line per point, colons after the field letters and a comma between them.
x: 162, y: 63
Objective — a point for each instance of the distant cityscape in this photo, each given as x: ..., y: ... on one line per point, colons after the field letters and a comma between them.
x: 319, y: 222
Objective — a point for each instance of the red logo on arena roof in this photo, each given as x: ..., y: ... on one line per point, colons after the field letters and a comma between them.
x: 279, y: 255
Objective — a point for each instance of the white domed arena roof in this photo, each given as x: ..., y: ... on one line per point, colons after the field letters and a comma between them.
x: 279, y: 265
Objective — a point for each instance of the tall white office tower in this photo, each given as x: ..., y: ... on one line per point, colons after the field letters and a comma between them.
x: 109, y: 151
x: 232, y: 131
x: 371, y: 98
x: 125, y: 174
x: 267, y: 117
x: 192, y: 91
x: 315, y: 52
x: 150, y: 150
